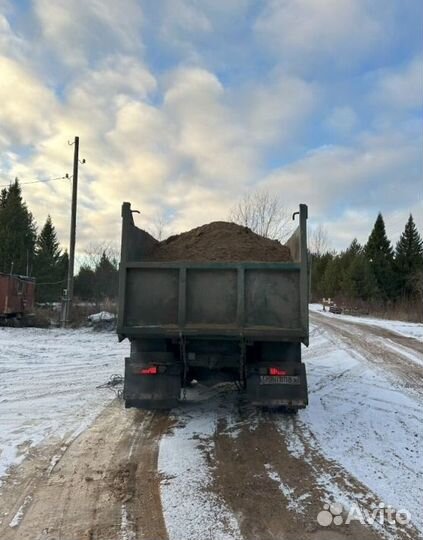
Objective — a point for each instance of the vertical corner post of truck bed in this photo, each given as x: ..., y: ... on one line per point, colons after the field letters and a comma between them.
x: 127, y: 221
x: 304, y: 280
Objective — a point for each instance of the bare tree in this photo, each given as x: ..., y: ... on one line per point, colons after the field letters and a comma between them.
x: 319, y: 241
x: 93, y: 253
x: 159, y: 228
x: 264, y: 214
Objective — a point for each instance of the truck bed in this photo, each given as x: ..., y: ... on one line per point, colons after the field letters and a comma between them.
x: 257, y: 300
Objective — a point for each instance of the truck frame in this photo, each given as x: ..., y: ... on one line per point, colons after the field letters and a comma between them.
x: 213, y: 322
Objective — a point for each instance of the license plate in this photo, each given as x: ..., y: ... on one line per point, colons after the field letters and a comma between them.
x: 286, y: 379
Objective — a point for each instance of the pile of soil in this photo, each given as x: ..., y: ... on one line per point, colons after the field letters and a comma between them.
x: 220, y: 241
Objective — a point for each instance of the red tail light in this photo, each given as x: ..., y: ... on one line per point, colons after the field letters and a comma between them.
x: 152, y: 370
x: 277, y: 371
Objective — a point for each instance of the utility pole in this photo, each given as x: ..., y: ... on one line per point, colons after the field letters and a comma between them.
x: 69, y: 291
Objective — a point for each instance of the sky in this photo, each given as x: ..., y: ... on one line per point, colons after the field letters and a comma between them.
x: 185, y: 106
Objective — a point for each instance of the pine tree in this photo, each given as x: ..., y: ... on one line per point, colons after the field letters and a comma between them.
x: 347, y: 257
x: 48, y: 264
x: 17, y: 232
x: 3, y: 198
x: 359, y: 282
x: 332, y: 277
x: 47, y: 244
x: 408, y: 260
x: 354, y: 249
x: 106, y: 276
x: 318, y: 267
x: 85, y: 283
x: 380, y: 255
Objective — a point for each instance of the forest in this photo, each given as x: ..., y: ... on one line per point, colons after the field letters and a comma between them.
x: 375, y: 277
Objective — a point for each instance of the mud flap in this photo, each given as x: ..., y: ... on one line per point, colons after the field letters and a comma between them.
x: 289, y: 392
x: 147, y: 388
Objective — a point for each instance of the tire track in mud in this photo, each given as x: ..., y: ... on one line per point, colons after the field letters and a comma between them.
x: 141, y: 505
x: 367, y: 340
x: 104, y: 487
x: 276, y: 492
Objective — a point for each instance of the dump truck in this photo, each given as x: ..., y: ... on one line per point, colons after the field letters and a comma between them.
x: 213, y: 322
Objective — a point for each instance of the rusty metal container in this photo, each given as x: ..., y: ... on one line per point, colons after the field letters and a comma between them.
x: 17, y: 295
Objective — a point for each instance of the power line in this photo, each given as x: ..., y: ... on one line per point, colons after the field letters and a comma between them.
x: 51, y: 282
x: 66, y: 177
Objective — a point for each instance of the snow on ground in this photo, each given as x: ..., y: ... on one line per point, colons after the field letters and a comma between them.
x: 188, y: 506
x: 101, y: 316
x: 366, y: 421
x: 294, y: 503
x: 406, y: 352
x: 361, y: 417
x: 48, y: 382
x: 414, y: 330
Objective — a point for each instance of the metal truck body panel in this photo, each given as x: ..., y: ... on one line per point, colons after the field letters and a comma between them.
x: 254, y: 299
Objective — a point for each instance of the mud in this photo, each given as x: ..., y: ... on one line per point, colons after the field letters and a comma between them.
x: 103, y: 487
x: 249, y: 469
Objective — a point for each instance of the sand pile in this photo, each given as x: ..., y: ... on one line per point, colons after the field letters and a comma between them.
x: 220, y: 241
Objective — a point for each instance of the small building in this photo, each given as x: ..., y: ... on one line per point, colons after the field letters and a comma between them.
x: 17, y: 295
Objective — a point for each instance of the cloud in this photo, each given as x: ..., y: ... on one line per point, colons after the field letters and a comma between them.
x: 208, y: 137
x: 186, y: 25
x: 11, y: 44
x: 381, y: 171
x: 324, y: 35
x: 186, y: 134
x: 134, y: 150
x: 400, y: 88
x: 182, y: 19
x: 116, y: 75
x: 276, y: 109
x: 26, y: 104
x: 342, y: 120
x: 193, y: 153
x: 84, y: 30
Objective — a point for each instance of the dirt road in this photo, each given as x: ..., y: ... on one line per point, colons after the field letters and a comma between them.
x: 383, y: 348
x: 214, y: 468
x: 104, y: 485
